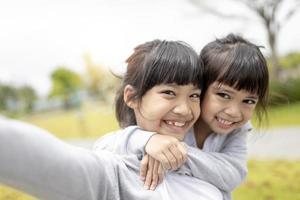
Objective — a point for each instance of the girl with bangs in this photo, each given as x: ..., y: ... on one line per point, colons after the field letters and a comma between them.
x: 236, y: 82
x: 160, y: 93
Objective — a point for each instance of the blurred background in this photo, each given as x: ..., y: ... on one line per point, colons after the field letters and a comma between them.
x: 57, y: 59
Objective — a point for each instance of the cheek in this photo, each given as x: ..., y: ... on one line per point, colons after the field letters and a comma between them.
x: 155, y: 111
x: 248, y: 113
x: 196, y: 110
x: 206, y: 108
x: 209, y: 102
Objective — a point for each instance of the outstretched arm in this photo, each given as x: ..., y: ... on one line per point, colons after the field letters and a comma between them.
x: 37, y: 163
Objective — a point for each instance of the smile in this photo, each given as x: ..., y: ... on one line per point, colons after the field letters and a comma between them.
x: 224, y: 123
x: 176, y: 123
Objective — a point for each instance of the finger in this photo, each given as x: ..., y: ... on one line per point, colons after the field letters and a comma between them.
x: 166, y: 163
x: 182, y: 147
x: 171, y: 158
x: 178, y: 155
x: 154, y: 182
x: 161, y: 173
x: 148, y: 178
x: 144, y: 167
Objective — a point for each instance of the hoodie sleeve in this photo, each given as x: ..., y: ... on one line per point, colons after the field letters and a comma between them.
x: 34, y: 161
x: 131, y: 140
x: 224, y: 167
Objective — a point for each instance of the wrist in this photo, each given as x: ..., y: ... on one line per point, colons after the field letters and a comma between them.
x: 145, y: 147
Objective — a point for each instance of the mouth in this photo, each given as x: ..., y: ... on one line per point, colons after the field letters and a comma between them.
x: 224, y: 123
x: 177, y: 126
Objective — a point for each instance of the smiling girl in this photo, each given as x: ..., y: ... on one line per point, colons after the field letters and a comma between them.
x: 160, y: 92
x: 235, y: 86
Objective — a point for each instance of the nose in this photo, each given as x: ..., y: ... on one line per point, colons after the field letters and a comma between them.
x: 183, y: 108
x: 233, y: 110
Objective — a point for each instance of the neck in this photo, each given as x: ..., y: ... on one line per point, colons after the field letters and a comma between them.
x: 202, y: 131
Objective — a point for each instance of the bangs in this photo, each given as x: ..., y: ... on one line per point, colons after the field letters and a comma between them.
x: 243, y: 69
x: 172, y: 63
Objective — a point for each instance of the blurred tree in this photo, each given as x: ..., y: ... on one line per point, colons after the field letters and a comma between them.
x: 65, y: 84
x: 292, y: 60
x: 16, y: 100
x: 94, y: 76
x: 8, y: 98
x: 27, y: 96
x: 273, y: 18
x: 100, y: 82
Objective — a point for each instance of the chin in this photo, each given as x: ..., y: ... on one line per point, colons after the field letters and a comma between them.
x: 177, y: 136
x: 222, y: 131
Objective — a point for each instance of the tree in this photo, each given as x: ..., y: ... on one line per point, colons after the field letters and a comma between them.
x: 65, y: 84
x: 99, y: 81
x: 27, y: 96
x: 94, y: 76
x: 273, y: 18
x: 8, y: 98
x: 292, y: 60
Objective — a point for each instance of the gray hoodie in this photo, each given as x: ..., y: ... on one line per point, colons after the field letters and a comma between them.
x: 221, y: 162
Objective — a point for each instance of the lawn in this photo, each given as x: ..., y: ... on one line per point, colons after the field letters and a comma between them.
x: 267, y: 180
x: 287, y: 115
x: 283, y: 116
x: 271, y: 180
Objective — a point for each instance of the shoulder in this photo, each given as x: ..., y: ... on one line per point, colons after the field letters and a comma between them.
x: 112, y: 141
x: 244, y: 130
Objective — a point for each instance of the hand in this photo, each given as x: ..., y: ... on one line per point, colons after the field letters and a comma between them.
x: 151, y: 172
x: 169, y: 151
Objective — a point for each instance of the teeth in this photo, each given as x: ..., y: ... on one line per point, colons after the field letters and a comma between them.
x: 169, y: 122
x: 223, y: 121
x: 178, y: 124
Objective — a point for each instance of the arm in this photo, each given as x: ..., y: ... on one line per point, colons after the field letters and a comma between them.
x: 37, y: 163
x: 131, y: 140
x: 224, y: 167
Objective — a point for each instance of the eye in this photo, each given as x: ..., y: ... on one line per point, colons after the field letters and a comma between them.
x: 195, y: 95
x: 169, y: 92
x: 223, y: 95
x: 250, y: 101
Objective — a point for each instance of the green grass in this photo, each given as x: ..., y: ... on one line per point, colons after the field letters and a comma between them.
x: 287, y: 115
x: 283, y: 116
x: 271, y: 180
x: 267, y: 180
x: 7, y: 193
x: 89, y: 123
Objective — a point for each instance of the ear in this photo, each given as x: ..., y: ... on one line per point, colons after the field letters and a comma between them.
x: 129, y: 91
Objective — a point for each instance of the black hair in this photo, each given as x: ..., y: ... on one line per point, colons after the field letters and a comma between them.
x: 154, y: 63
x: 238, y: 63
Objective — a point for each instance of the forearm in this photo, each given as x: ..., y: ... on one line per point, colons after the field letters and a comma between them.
x: 39, y: 164
x: 131, y: 140
x: 223, y: 170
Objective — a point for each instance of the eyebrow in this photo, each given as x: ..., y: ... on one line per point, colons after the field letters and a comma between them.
x: 218, y: 87
x: 253, y: 97
x: 233, y: 91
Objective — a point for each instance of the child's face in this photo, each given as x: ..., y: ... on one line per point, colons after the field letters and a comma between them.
x: 169, y: 109
x: 224, y: 108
